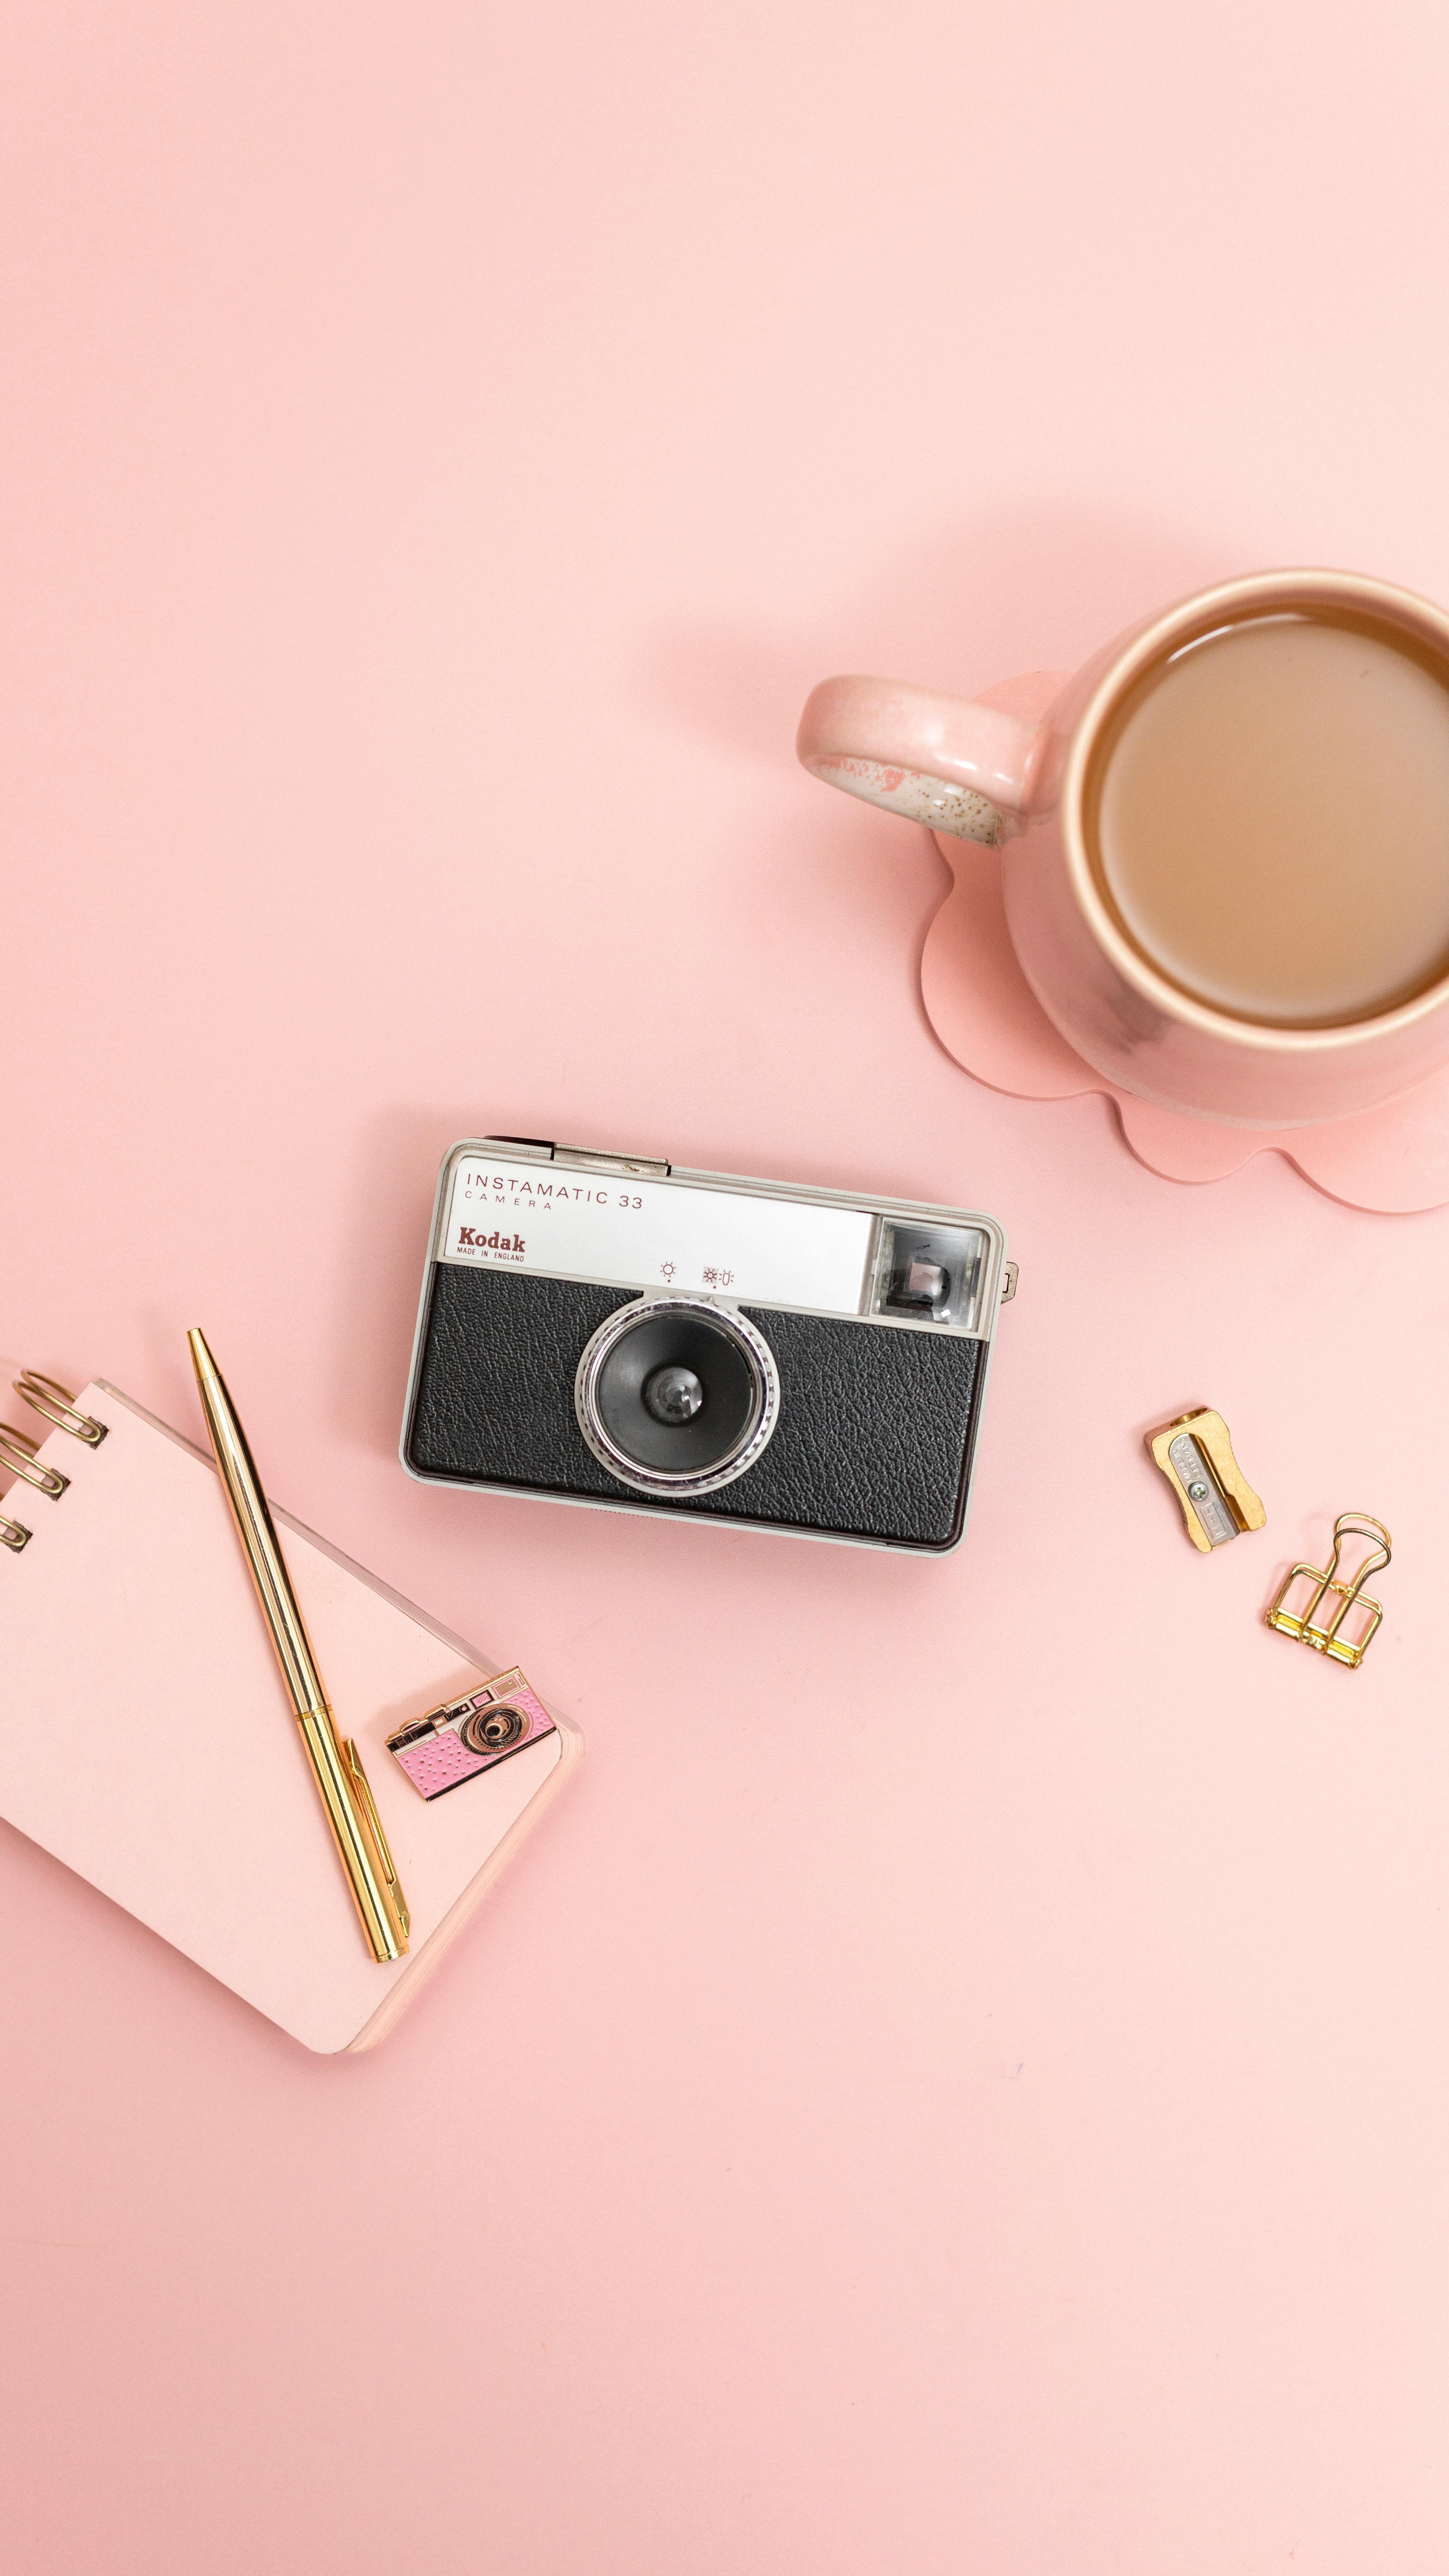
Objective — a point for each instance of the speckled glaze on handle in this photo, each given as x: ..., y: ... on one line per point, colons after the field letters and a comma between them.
x: 992, y: 770
x: 958, y: 767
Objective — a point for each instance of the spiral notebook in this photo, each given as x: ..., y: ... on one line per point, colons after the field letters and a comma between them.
x: 146, y: 1740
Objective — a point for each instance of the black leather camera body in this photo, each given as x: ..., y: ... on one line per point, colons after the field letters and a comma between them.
x: 597, y: 1328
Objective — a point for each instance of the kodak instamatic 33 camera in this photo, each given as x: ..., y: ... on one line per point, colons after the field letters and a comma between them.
x: 599, y: 1329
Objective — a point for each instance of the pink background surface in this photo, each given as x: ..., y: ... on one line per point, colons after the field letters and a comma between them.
x: 961, y: 2080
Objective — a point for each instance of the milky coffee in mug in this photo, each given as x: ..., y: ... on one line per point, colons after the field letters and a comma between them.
x: 1268, y: 817
x: 1225, y: 844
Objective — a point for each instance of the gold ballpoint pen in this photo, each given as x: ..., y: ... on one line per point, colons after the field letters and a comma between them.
x: 336, y: 1766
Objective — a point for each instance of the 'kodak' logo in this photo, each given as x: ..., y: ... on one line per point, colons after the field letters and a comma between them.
x: 494, y: 1242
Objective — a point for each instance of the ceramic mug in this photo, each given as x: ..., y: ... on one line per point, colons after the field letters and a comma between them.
x: 994, y: 770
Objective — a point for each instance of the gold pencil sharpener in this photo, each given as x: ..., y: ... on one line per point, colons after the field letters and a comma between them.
x: 1338, y: 1619
x: 1195, y: 1453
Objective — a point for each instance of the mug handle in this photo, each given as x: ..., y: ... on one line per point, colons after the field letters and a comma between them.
x: 971, y: 769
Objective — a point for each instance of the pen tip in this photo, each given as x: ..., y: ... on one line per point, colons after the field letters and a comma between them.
x: 200, y: 1353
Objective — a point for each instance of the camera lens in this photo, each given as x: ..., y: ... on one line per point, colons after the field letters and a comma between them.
x: 673, y: 1394
x: 700, y: 1379
x: 492, y: 1730
x: 676, y: 1396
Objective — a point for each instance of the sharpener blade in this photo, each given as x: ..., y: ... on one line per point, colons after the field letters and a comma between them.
x: 1200, y: 1486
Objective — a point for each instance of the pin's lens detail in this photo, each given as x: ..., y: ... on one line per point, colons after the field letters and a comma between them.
x: 492, y: 1730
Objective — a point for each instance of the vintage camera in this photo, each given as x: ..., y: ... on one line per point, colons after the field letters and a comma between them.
x: 600, y: 1329
x: 465, y: 1736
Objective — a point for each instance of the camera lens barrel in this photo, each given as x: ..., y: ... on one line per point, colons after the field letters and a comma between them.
x: 676, y: 1396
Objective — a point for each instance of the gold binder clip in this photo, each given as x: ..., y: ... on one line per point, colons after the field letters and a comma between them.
x: 1326, y: 1635
x: 1195, y: 1453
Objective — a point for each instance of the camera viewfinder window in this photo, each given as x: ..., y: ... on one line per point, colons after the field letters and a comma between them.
x: 930, y: 1274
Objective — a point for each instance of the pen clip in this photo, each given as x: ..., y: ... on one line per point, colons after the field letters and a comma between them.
x: 363, y: 1786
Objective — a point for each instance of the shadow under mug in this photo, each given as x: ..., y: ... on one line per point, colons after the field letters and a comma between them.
x: 998, y: 769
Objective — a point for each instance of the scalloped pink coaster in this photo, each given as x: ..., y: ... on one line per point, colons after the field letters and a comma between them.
x: 1394, y: 1160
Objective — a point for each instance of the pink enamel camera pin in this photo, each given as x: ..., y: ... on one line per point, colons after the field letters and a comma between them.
x: 465, y: 1736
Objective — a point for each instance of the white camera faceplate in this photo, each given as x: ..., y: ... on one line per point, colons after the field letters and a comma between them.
x: 671, y: 1236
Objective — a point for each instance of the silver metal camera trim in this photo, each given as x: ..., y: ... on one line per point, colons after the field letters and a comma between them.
x: 656, y: 1481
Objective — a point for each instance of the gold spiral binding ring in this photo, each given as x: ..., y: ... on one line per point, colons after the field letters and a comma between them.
x: 17, y: 1455
x: 13, y: 1534
x: 46, y: 1396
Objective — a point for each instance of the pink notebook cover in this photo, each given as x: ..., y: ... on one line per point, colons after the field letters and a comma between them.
x: 146, y: 1740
